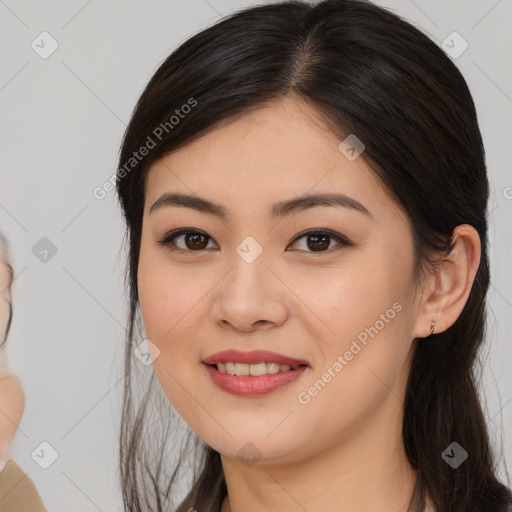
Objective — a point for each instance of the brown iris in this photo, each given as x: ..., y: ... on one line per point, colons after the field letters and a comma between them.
x: 193, y: 241
x: 320, y: 242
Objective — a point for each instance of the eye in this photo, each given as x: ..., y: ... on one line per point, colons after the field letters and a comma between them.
x: 194, y: 240
x: 320, y: 240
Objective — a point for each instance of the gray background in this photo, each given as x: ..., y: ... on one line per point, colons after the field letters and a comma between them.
x: 62, y: 119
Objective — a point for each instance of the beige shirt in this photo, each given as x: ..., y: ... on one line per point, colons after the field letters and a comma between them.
x: 17, y: 491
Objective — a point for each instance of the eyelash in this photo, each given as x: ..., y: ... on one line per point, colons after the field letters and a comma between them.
x: 167, y: 241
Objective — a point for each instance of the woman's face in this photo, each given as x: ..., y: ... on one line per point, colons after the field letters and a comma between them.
x: 255, y: 280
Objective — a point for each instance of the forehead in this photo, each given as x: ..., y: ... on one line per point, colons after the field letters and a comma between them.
x: 278, y: 151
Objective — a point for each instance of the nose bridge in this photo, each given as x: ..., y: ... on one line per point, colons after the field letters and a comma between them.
x: 248, y: 275
x: 250, y: 293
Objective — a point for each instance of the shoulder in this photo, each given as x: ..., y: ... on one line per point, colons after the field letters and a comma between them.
x: 17, y: 491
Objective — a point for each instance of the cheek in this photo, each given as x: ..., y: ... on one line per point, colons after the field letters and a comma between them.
x: 166, y: 315
x: 341, y: 302
x: 360, y: 366
x: 174, y: 307
x: 360, y: 317
x: 167, y: 296
x: 154, y: 301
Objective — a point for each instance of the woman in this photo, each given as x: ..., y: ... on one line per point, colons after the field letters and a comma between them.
x: 305, y: 198
x: 17, y: 490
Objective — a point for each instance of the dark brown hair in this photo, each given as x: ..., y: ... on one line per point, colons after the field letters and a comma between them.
x: 367, y: 72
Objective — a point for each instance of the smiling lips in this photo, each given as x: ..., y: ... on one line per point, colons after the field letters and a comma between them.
x: 252, y: 373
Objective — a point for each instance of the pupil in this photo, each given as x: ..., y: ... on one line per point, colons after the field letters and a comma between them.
x: 316, y: 238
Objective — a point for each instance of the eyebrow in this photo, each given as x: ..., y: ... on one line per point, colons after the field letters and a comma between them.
x: 278, y: 210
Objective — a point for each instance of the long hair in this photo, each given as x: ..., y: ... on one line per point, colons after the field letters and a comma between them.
x: 367, y: 72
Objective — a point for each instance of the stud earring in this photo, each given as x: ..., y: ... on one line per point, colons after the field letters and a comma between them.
x: 432, y: 327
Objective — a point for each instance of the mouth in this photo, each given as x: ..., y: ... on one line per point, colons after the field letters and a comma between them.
x: 255, y: 373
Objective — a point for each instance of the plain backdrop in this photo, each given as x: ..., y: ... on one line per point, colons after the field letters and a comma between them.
x: 61, y: 124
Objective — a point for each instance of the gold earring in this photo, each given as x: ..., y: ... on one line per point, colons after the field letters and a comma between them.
x: 432, y: 327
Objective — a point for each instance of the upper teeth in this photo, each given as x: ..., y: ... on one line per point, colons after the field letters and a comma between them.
x: 253, y: 369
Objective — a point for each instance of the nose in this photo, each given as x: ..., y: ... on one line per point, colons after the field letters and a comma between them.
x: 250, y: 297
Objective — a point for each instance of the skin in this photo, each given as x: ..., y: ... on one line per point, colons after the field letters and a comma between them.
x: 12, y: 397
x: 343, y: 450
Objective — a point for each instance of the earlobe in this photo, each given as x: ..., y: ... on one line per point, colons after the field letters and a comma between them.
x: 433, y: 326
x: 452, y: 283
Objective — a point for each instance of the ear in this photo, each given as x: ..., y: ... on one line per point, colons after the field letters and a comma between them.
x: 448, y: 289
